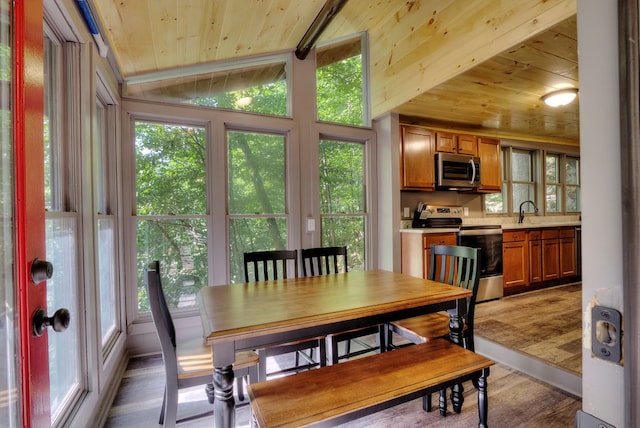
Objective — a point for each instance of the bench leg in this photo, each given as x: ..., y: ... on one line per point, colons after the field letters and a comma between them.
x: 426, y: 403
x: 224, y: 404
x: 442, y: 402
x: 483, y: 403
x: 457, y: 397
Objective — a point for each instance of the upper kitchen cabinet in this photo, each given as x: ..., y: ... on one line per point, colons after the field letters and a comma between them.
x: 419, y: 145
x: 454, y: 143
x: 490, y: 165
x: 417, y: 149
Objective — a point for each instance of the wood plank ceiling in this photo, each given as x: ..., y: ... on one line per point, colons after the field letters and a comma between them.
x: 500, y: 96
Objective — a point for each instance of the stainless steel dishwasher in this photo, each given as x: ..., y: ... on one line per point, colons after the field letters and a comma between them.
x: 488, y: 238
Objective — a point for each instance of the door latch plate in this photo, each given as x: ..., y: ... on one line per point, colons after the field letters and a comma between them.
x: 606, y: 333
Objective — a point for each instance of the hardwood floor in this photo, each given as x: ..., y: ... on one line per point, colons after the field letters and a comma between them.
x: 544, y: 324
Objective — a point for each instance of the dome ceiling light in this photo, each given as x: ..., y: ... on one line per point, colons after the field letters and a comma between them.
x: 561, y: 97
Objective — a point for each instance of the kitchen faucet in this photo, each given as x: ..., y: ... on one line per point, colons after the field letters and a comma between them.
x: 535, y: 209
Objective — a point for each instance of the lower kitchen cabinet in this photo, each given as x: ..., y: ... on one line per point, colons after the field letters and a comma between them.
x: 568, y: 252
x: 416, y: 250
x: 514, y: 259
x: 535, y: 256
x: 538, y: 257
x: 550, y: 255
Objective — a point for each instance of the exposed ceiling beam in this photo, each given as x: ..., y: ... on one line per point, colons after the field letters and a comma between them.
x: 325, y: 16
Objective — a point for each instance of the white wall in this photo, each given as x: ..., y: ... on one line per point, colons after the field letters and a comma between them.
x: 602, y: 382
x: 388, y: 184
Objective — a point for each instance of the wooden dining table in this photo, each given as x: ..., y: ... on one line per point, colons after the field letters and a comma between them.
x: 254, y: 315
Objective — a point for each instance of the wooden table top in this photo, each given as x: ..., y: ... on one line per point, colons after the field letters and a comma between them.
x: 241, y: 311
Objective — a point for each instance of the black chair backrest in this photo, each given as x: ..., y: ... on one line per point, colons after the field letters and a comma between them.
x: 459, y: 266
x: 275, y: 264
x: 324, y: 260
x: 454, y: 265
x: 160, y: 312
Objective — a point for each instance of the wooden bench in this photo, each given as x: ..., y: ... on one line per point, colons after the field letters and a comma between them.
x: 342, y: 392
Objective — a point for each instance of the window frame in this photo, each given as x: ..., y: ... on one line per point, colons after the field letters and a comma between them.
x: 288, y: 176
x: 203, y: 216
x: 366, y: 208
x: 106, y: 205
x: 538, y: 157
x: 301, y: 179
x: 365, y: 75
x: 184, y: 73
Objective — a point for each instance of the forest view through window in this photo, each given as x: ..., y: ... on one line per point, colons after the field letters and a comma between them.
x: 179, y: 197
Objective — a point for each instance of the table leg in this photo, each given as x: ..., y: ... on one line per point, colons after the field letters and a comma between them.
x: 224, y: 405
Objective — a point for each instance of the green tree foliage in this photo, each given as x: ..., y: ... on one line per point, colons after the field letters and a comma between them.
x: 256, y: 196
x: 342, y: 198
x: 339, y: 88
x: 171, y: 195
x: 171, y: 192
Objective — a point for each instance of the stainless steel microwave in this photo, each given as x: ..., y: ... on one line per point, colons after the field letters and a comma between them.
x: 457, y: 172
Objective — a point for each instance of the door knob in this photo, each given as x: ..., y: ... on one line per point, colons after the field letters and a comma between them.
x: 59, y: 321
x: 41, y: 270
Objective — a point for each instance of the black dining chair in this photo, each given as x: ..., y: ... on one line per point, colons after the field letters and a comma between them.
x: 333, y: 260
x: 187, y: 363
x: 453, y: 265
x: 277, y: 264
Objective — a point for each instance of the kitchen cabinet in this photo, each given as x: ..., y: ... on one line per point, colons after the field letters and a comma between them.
x: 550, y: 254
x: 567, y: 251
x: 416, y: 250
x: 417, y: 149
x: 534, y: 258
x: 448, y: 142
x: 514, y: 259
x: 534, y: 239
x: 490, y: 165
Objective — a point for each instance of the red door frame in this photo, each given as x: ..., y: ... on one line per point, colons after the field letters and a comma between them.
x: 29, y: 235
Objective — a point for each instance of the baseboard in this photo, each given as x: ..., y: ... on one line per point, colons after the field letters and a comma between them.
x: 111, y: 391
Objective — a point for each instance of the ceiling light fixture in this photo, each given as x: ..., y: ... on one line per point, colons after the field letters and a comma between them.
x: 561, y: 97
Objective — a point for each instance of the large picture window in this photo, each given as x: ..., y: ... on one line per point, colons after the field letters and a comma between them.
x: 342, y: 198
x: 340, y: 83
x: 171, y: 204
x: 62, y: 223
x: 258, y: 86
x: 257, y: 199
x: 105, y: 202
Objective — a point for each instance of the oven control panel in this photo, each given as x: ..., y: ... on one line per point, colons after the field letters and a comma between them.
x: 442, y: 211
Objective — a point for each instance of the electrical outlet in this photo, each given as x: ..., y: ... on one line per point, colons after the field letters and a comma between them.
x: 311, y: 225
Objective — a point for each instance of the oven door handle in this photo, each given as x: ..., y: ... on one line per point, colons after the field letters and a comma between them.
x: 479, y: 232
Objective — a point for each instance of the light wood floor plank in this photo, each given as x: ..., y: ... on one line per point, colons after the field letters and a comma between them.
x: 545, y: 324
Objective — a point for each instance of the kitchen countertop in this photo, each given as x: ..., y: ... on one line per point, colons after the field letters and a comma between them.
x: 431, y: 230
x: 508, y: 226
x: 526, y: 225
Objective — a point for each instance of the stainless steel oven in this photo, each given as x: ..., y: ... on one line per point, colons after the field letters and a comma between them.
x: 489, y: 240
